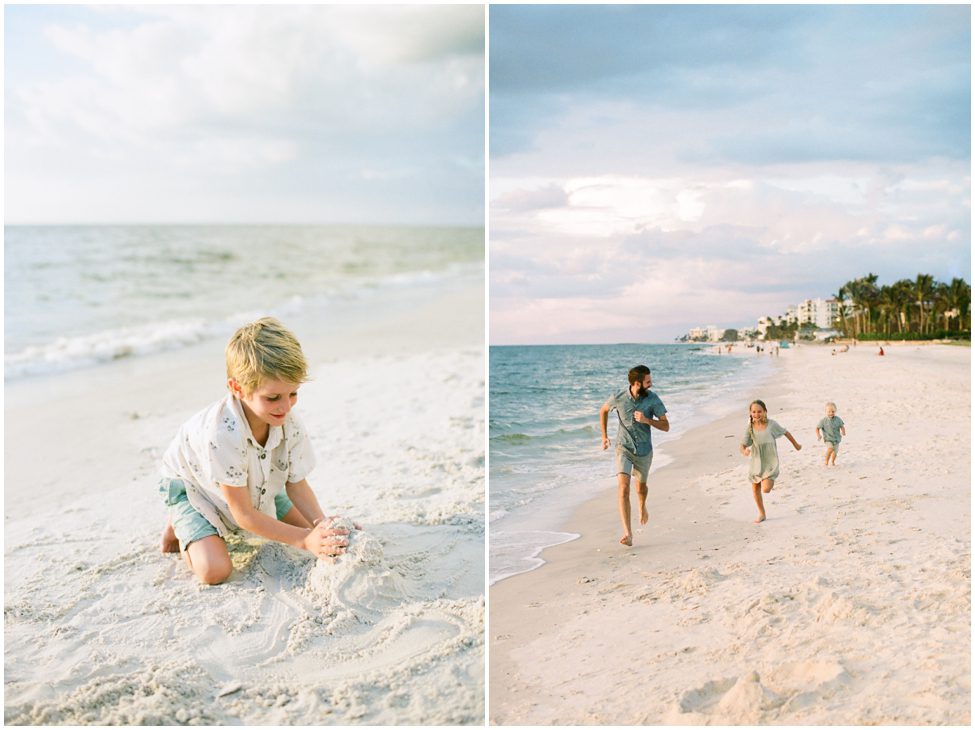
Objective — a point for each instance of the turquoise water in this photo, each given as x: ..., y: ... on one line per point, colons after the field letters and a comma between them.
x: 77, y: 296
x: 544, y: 440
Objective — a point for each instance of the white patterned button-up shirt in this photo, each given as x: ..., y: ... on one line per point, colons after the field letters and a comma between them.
x: 216, y: 447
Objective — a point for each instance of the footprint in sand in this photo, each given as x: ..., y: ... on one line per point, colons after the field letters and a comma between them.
x: 613, y: 589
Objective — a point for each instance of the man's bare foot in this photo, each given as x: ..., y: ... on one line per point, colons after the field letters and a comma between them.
x: 169, y: 543
x: 627, y: 540
x: 644, y: 516
x: 760, y: 518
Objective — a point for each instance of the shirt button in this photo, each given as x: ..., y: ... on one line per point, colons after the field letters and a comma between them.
x: 263, y: 455
x: 263, y: 491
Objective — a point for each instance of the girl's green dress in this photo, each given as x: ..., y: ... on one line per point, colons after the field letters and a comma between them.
x: 764, y: 462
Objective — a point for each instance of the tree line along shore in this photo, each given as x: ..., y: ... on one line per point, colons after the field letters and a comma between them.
x: 908, y: 310
x: 919, y: 309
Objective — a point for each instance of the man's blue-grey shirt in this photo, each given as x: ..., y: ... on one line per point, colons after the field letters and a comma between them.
x: 633, y: 436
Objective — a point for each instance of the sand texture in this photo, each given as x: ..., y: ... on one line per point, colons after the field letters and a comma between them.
x: 850, y: 605
x: 101, y: 628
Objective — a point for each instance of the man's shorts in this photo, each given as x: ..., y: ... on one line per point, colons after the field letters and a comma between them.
x: 188, y: 524
x: 835, y: 447
x: 627, y: 462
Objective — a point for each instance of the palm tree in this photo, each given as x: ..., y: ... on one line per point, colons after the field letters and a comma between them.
x: 886, y: 306
x: 868, y: 294
x: 941, y: 304
x: 840, y: 296
x: 854, y: 290
x: 960, y: 299
x: 903, y: 294
x: 923, y: 291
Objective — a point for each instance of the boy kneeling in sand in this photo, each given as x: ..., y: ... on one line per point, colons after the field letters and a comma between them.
x: 241, y: 463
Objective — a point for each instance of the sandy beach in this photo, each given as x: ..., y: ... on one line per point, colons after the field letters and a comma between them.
x: 850, y: 605
x: 101, y: 628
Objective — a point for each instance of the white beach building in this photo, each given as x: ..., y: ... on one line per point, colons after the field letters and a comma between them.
x: 705, y: 334
x: 820, y: 312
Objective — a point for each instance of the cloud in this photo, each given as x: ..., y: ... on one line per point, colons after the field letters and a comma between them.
x: 752, y: 248
x: 769, y: 83
x: 321, y: 92
x: 550, y: 196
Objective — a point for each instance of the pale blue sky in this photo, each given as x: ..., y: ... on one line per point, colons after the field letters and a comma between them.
x: 655, y: 168
x: 244, y: 114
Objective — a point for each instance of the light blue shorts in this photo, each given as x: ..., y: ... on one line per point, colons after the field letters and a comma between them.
x: 627, y: 463
x: 188, y: 524
x: 834, y: 446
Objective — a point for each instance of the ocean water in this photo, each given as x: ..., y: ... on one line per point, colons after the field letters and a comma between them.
x: 77, y: 296
x: 545, y: 452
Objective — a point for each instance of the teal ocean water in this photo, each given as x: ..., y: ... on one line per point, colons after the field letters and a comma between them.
x: 544, y: 441
x: 79, y: 296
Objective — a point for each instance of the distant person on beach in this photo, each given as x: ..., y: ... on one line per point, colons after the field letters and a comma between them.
x: 831, y: 429
x: 759, y: 443
x: 638, y: 410
x: 881, y: 352
x: 242, y: 462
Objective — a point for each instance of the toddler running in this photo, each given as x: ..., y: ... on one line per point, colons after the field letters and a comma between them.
x: 833, y: 430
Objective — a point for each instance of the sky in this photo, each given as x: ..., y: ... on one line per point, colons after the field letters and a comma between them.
x: 656, y: 168
x: 244, y: 114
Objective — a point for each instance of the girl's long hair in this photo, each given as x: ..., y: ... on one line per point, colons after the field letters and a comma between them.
x: 751, y: 431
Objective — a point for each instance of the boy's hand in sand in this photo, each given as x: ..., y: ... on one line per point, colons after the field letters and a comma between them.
x: 326, y: 542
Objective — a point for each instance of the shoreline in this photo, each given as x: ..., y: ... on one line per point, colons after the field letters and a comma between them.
x: 521, y: 535
x: 682, y: 595
x: 570, y: 525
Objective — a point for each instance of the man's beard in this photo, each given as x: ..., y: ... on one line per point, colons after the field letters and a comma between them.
x: 641, y: 392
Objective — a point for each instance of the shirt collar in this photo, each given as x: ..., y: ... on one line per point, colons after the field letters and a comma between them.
x: 274, y: 436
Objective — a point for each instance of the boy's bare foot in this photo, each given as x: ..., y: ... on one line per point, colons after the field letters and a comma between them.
x: 627, y: 540
x: 644, y: 516
x: 760, y: 518
x: 168, y: 543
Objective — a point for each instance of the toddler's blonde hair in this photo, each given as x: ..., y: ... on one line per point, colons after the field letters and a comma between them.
x: 831, y: 404
x: 265, y: 350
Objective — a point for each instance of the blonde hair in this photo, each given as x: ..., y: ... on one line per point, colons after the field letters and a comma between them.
x: 831, y: 404
x: 265, y: 350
